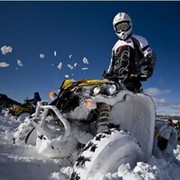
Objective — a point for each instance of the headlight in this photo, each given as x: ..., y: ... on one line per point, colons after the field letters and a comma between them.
x: 112, y: 89
x: 96, y: 90
x: 105, y: 89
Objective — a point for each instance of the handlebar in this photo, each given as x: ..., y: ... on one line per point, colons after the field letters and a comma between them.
x: 140, y: 76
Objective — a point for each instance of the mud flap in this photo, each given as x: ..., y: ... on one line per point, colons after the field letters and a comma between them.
x: 31, y: 137
x: 136, y: 114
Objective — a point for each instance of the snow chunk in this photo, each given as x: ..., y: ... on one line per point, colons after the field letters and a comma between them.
x: 67, y: 76
x: 84, y: 68
x: 3, y: 64
x: 19, y: 63
x: 70, y: 66
x: 75, y: 64
x: 85, y: 60
x: 6, y: 49
x: 70, y: 56
x: 60, y: 65
x: 42, y: 56
x: 55, y: 53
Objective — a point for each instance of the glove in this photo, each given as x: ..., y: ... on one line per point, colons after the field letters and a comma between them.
x: 106, y: 75
x: 162, y: 143
x: 145, y: 75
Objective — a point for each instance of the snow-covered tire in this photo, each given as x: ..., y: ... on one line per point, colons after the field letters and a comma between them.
x: 26, y: 133
x: 105, y: 153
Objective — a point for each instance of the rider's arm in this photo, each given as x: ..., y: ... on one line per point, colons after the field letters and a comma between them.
x: 148, y: 54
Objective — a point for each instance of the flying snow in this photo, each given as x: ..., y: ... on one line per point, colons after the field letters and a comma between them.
x: 60, y: 65
x: 85, y: 60
x: 75, y: 64
x: 6, y: 49
x: 85, y: 68
x: 70, y: 66
x: 19, y: 63
x: 42, y: 56
x: 3, y: 64
x: 67, y: 76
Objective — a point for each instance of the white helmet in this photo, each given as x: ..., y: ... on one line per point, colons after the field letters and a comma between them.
x: 122, y: 25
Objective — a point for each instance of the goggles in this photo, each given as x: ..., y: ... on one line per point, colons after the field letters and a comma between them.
x: 123, y: 26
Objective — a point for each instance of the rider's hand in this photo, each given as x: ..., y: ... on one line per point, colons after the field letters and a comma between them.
x: 145, y: 75
x: 106, y: 75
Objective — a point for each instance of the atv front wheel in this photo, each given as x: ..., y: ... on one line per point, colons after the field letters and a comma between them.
x: 26, y: 133
x: 105, y: 153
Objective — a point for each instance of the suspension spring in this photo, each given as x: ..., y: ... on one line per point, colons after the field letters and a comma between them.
x: 104, y: 110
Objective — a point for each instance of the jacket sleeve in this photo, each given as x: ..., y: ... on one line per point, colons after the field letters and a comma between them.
x: 151, y: 61
x: 148, y: 53
x: 109, y: 72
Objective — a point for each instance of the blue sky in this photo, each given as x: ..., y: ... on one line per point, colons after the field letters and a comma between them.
x: 78, y: 30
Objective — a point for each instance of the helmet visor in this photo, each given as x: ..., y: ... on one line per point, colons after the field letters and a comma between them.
x: 122, y: 26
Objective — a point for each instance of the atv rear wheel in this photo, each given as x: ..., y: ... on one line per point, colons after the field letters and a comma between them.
x: 105, y: 153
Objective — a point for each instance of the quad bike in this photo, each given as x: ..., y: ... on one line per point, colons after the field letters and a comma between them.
x: 96, y: 124
x: 21, y: 111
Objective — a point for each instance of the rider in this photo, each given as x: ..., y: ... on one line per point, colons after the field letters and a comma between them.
x: 35, y: 99
x: 130, y: 54
x: 165, y: 140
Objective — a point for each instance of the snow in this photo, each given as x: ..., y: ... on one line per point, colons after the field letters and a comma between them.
x: 70, y: 66
x: 18, y: 162
x: 85, y: 60
x: 3, y: 64
x: 60, y: 65
x: 19, y: 63
x: 85, y: 68
x: 6, y: 49
x: 66, y: 76
x: 75, y: 64
x: 42, y: 56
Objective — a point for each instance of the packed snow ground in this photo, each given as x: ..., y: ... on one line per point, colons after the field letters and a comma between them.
x: 19, y: 162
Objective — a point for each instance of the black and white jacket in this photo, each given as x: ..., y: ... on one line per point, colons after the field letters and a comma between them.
x: 127, y: 56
